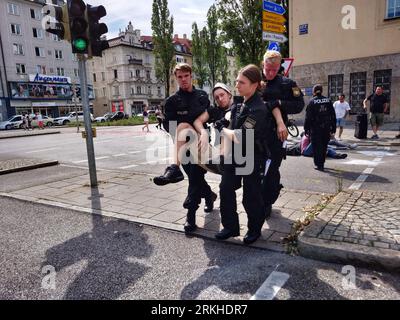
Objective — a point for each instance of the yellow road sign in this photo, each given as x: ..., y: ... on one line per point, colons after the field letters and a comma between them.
x: 277, y: 28
x: 273, y: 17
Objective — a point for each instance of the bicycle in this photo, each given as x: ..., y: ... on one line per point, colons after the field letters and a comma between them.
x: 292, y: 128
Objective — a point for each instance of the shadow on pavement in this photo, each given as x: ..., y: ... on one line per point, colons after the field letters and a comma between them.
x: 108, y: 254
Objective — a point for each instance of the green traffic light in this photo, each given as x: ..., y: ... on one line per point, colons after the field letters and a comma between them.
x: 80, y: 44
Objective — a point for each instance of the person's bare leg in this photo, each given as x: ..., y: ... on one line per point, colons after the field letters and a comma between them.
x: 340, y: 132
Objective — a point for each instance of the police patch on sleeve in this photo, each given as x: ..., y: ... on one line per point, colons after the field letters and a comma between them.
x: 296, y: 92
x: 249, y: 123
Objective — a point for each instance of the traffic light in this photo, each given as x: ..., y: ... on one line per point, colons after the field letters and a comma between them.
x: 78, y: 26
x: 96, y: 30
x: 56, y: 21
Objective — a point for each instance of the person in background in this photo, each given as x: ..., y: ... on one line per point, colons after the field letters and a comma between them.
x: 342, y: 109
x: 379, y: 106
x: 146, y: 118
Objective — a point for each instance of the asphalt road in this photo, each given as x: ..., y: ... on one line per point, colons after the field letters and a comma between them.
x: 129, y: 149
x: 53, y: 253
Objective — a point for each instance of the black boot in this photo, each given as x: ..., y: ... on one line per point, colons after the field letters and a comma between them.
x: 209, y: 207
x: 171, y: 175
x: 190, y: 225
x: 268, y: 211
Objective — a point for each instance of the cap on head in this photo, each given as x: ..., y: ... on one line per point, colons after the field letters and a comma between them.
x: 318, y: 89
x: 222, y: 86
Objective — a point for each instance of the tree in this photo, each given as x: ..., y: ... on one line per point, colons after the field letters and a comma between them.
x: 213, y: 53
x: 241, y: 23
x: 200, y: 67
x: 163, y: 27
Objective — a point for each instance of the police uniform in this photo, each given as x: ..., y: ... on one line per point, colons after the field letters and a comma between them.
x: 186, y: 107
x: 284, y: 93
x: 320, y: 123
x: 251, y: 115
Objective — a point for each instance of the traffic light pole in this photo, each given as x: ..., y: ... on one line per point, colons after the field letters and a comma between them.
x: 87, y: 118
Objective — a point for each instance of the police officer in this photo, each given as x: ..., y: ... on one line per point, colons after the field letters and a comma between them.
x: 251, y: 115
x: 282, y: 93
x: 320, y: 124
x: 184, y: 107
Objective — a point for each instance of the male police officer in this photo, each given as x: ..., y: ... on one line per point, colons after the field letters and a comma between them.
x: 184, y: 107
x: 283, y: 93
x: 320, y: 124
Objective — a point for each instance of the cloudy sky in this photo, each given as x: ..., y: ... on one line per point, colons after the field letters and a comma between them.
x: 120, y: 12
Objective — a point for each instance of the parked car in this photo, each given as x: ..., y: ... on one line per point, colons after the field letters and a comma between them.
x: 47, y: 122
x: 104, y: 118
x: 11, y: 123
x: 71, y: 117
x: 119, y: 115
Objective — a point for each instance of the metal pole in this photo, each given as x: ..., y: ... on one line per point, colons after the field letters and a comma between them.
x: 76, y: 107
x: 86, y: 116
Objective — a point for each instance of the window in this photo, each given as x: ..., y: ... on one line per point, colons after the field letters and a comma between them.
x: 115, y: 74
x: 149, y: 90
x: 37, y: 33
x: 103, y: 76
x: 76, y: 72
x: 138, y: 73
x: 147, y: 59
x: 139, y: 90
x: 131, y: 74
x: 94, y: 77
x: 159, y: 91
x: 116, y: 91
x: 39, y: 52
x: 392, y: 9
x: 20, y: 68
x: 335, y: 86
x: 60, y: 71
x: 58, y: 54
x: 104, y: 92
x: 358, y: 91
x: 18, y: 49
x: 132, y: 91
x: 56, y: 37
x: 35, y: 14
x: 383, y: 78
x: 13, y: 9
x: 42, y: 69
x: 148, y: 74
x: 16, y: 29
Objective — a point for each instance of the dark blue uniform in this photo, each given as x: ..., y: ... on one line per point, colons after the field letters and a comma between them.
x: 186, y: 107
x: 251, y: 115
x: 320, y: 123
x: 291, y: 102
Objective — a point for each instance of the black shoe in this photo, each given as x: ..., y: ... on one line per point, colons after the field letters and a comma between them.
x: 320, y: 168
x: 189, y: 228
x: 172, y: 175
x: 225, y: 234
x: 250, y: 238
x: 268, y: 211
x: 209, y: 207
x: 190, y: 225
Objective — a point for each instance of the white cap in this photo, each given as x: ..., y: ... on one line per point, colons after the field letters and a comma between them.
x: 222, y: 86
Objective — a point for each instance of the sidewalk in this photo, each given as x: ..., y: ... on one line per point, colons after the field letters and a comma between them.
x: 22, y: 133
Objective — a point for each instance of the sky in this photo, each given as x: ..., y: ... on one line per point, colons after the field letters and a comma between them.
x: 120, y: 12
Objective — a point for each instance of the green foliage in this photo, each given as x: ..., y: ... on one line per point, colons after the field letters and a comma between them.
x: 132, y: 121
x: 163, y: 27
x: 200, y: 67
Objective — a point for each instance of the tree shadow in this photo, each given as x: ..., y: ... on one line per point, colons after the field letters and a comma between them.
x: 109, y: 251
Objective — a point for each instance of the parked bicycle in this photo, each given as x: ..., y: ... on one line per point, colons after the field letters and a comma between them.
x: 292, y: 128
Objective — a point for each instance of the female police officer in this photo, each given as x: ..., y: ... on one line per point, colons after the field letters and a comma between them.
x: 250, y: 117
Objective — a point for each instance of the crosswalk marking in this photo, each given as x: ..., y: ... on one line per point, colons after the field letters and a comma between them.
x: 271, y: 286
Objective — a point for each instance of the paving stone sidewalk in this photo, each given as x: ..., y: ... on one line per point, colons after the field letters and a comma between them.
x: 361, y: 227
x: 22, y: 134
x: 136, y: 198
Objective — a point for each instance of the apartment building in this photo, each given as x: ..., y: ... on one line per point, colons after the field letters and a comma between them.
x: 37, y: 70
x: 124, y: 77
x: 349, y: 47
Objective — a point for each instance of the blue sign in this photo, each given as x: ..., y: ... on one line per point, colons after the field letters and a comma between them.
x: 274, y: 46
x: 273, y: 7
x: 303, y: 29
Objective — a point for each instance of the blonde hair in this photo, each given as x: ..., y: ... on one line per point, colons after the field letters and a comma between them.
x: 272, y: 56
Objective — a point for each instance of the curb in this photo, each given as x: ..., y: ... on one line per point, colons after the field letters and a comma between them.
x: 30, y: 167
x: 336, y: 252
x: 29, y: 135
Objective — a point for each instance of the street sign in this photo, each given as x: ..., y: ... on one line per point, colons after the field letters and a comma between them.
x: 277, y: 28
x: 276, y: 37
x: 287, y: 64
x: 273, y: 7
x: 274, y: 46
x: 273, y: 17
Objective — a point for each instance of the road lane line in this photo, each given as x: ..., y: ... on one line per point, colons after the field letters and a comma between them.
x: 128, y: 167
x: 271, y: 286
x: 82, y: 161
x: 119, y: 155
x: 158, y: 161
x: 134, y: 152
x: 42, y: 150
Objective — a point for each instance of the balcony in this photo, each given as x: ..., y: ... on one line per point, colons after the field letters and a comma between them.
x: 135, y: 61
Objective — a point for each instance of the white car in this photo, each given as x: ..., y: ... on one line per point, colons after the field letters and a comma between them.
x: 12, y: 123
x: 104, y: 118
x: 71, y: 117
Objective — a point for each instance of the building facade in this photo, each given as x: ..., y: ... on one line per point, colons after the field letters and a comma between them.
x: 124, y: 77
x: 349, y: 47
x: 37, y: 70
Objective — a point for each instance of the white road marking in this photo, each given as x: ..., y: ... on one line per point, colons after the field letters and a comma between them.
x: 82, y: 161
x: 368, y: 170
x: 119, y: 155
x: 128, y: 167
x: 102, y: 158
x: 271, y: 286
x: 102, y: 141
x: 158, y: 161
x: 134, y: 152
x: 42, y: 150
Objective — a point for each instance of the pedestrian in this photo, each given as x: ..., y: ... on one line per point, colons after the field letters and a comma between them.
x: 378, y: 107
x: 160, y: 118
x: 320, y: 124
x: 342, y: 109
x: 29, y: 119
x: 251, y: 115
x: 183, y: 108
x: 146, y: 119
x: 39, y: 119
x: 282, y: 93
x: 25, y: 121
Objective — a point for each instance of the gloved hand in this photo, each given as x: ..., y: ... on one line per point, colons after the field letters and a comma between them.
x: 220, y: 124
